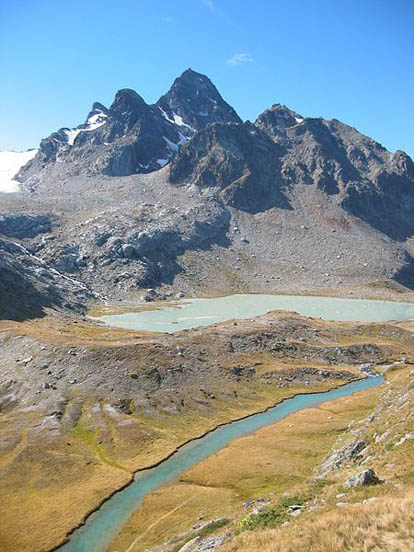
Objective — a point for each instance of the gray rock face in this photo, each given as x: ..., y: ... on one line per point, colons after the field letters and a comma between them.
x: 28, y: 286
x: 134, y: 248
x: 131, y: 136
x: 369, y: 182
x: 351, y: 451
x: 238, y: 158
x: 193, y: 102
x: 24, y: 226
x: 366, y: 477
x: 386, y: 201
x: 279, y: 203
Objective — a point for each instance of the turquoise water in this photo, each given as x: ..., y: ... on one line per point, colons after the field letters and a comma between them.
x: 203, y: 312
x: 102, y: 526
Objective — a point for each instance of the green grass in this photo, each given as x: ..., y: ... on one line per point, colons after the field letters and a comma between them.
x: 271, y: 517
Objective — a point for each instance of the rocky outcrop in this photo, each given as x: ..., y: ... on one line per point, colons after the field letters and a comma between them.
x: 351, y: 451
x: 28, y: 286
x: 237, y: 158
x: 24, y: 226
x: 366, y: 477
x: 140, y: 250
x: 193, y: 102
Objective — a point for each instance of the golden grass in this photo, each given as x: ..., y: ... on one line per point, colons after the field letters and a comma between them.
x: 276, y: 459
x: 54, y: 495
x: 172, y: 511
x: 48, y: 490
x: 386, y: 525
x: 56, y: 332
x: 130, y: 307
x: 63, y: 483
x: 383, y: 525
x: 280, y: 457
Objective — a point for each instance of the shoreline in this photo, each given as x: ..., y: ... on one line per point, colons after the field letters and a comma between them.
x: 366, y: 292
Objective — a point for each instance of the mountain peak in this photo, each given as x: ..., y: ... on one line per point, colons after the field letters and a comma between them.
x: 97, y: 106
x: 279, y: 116
x: 191, y: 83
x: 193, y: 77
x: 127, y: 99
x: 191, y: 73
x: 195, y: 102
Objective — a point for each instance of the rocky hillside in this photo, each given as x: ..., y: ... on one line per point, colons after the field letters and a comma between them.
x: 29, y: 287
x: 183, y: 194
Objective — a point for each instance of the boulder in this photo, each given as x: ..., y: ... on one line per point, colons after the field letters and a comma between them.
x: 152, y: 295
x: 128, y: 251
x: 366, y: 477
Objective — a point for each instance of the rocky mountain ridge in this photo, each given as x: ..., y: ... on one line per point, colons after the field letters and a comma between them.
x: 251, y: 163
x: 131, y: 136
x: 185, y: 195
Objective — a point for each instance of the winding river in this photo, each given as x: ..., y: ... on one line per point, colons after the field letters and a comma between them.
x: 102, y: 526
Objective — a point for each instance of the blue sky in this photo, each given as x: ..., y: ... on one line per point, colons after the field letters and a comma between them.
x: 351, y: 60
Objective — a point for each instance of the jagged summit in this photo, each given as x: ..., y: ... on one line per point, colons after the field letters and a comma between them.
x: 253, y: 165
x: 132, y: 136
x: 193, y: 101
x: 279, y: 115
x: 296, y: 197
x: 97, y: 106
x: 127, y: 99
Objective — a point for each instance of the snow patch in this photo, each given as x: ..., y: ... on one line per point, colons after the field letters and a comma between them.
x: 299, y: 120
x: 165, y: 115
x: 174, y: 146
x: 179, y: 121
x: 171, y: 145
x: 10, y: 164
x: 162, y: 162
x: 71, y: 135
x: 183, y: 139
x: 95, y: 121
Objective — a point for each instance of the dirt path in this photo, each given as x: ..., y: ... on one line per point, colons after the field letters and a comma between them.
x: 131, y: 546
